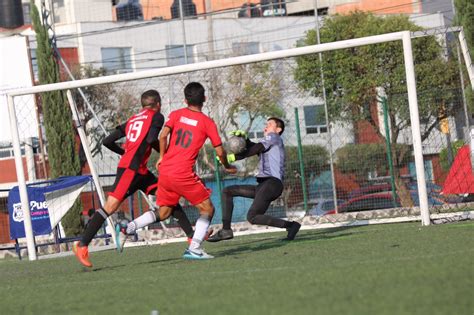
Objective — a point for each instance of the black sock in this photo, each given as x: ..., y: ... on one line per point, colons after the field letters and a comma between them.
x: 183, y: 221
x: 287, y: 224
x: 262, y: 219
x: 94, y: 225
x: 226, y: 224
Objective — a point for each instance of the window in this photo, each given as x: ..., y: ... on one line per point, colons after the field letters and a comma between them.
x: 57, y: 7
x: 58, y: 3
x: 315, y: 120
x: 34, y: 64
x: 6, y: 153
x: 273, y: 7
x: 26, y: 13
x: 255, y: 134
x: 245, y: 48
x: 117, y: 59
x: 321, y: 12
x: 175, y: 54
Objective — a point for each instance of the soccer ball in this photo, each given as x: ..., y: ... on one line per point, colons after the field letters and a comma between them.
x: 236, y: 144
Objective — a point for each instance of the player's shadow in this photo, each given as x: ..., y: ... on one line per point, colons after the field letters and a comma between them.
x: 105, y: 268
x: 253, y: 245
x: 332, y: 233
x: 165, y: 262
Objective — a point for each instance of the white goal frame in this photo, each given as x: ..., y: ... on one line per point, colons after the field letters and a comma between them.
x: 404, y: 36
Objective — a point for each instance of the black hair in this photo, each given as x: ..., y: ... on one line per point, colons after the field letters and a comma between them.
x: 194, y: 93
x: 150, y: 98
x: 280, y: 123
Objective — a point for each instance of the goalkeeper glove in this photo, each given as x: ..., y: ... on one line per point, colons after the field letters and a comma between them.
x: 239, y: 133
x: 230, y: 158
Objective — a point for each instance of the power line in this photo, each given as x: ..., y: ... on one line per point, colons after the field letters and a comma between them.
x: 223, y: 49
x: 236, y: 37
x: 151, y: 23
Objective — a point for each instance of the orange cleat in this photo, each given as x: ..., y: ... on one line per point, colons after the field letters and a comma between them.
x: 82, y: 254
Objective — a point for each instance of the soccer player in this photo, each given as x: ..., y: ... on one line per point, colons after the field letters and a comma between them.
x: 141, y: 134
x: 271, y: 167
x: 188, y: 129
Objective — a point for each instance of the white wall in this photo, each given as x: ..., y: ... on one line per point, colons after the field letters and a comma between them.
x: 149, y: 42
x: 15, y: 73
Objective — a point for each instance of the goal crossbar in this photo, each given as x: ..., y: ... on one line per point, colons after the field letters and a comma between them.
x: 234, y: 61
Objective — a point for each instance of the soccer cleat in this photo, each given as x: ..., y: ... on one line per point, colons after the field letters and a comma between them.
x: 221, y: 235
x: 82, y: 254
x: 121, y: 236
x: 209, y: 233
x: 196, y: 254
x: 293, y: 230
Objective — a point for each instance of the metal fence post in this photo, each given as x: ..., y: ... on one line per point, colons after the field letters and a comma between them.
x: 300, y: 158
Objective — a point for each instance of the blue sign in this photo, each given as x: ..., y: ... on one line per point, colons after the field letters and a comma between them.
x: 38, y: 211
x: 38, y: 206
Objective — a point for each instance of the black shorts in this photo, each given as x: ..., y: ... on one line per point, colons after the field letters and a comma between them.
x: 128, y: 181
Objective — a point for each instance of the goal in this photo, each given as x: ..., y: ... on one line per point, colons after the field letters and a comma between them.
x: 323, y: 132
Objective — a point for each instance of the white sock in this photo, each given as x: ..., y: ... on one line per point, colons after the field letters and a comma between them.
x: 202, y: 224
x: 145, y: 219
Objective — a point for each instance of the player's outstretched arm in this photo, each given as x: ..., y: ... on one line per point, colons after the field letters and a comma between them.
x: 222, y: 155
x: 110, y: 141
x: 252, y: 149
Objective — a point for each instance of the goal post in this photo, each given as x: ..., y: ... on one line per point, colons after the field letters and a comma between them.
x: 467, y: 57
x: 404, y: 37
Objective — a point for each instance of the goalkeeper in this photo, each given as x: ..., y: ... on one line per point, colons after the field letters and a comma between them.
x: 270, y: 175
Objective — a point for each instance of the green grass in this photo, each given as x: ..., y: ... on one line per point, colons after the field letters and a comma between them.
x: 378, y: 269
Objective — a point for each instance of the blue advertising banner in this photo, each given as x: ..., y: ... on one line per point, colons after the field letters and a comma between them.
x: 39, y: 212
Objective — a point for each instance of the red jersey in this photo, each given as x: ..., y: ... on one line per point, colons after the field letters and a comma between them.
x: 137, y: 148
x: 189, y: 131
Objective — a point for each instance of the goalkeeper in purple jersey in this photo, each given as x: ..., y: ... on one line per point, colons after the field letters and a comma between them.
x: 271, y: 167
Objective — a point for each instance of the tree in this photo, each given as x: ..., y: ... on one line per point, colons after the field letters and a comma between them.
x: 62, y: 153
x: 112, y: 104
x: 443, y: 155
x: 315, y: 161
x: 354, y: 76
x: 360, y: 159
x: 237, y: 97
x: 254, y: 92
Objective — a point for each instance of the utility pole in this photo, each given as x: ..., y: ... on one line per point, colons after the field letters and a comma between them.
x: 183, y: 27
x: 210, y: 31
x: 326, y: 115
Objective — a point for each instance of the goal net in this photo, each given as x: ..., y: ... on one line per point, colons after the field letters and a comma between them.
x: 373, y: 128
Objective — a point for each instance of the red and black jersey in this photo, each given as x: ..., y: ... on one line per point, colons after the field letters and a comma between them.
x: 189, y: 131
x: 141, y: 132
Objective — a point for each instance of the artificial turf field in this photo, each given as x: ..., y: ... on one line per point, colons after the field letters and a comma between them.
x: 377, y: 269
